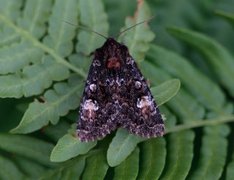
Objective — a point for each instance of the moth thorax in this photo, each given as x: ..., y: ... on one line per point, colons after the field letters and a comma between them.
x: 113, y: 63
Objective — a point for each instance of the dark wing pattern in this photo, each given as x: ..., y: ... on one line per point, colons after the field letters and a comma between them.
x: 117, y: 95
x: 96, y: 109
x: 144, y: 118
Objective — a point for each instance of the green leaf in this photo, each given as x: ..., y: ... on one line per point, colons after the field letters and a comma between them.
x: 33, y: 80
x: 96, y: 167
x: 61, y: 34
x: 31, y: 168
x: 189, y: 108
x: 165, y: 91
x: 26, y: 35
x: 180, y: 155
x: 228, y: 16
x: 213, y: 153
x: 29, y: 147
x: 57, y: 131
x: 68, y: 147
x: 153, y: 159
x: 24, y: 53
x: 58, y: 102
x: 9, y: 170
x: 220, y: 60
x: 138, y: 38
x: 129, y: 168
x: 117, y: 12
x: 93, y: 16
x: 230, y: 167
x: 71, y: 170
x: 35, y: 15
x: 190, y: 77
x: 11, y: 9
x: 121, y: 147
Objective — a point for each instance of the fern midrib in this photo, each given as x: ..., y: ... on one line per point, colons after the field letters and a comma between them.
x: 201, y: 123
x: 37, y: 43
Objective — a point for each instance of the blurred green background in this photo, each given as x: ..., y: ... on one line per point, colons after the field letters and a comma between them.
x: 203, y: 62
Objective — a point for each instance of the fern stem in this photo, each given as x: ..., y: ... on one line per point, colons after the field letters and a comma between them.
x: 200, y: 123
x: 37, y: 43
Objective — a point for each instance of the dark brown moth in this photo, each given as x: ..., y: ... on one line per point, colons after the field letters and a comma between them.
x: 117, y: 95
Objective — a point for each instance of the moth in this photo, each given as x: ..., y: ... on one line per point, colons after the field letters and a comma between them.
x: 117, y: 95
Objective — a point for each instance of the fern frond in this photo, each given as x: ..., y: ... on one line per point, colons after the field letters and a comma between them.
x: 228, y: 16
x: 218, y: 57
x: 230, y: 167
x: 180, y: 149
x: 138, y: 38
x: 9, y: 169
x: 30, y: 168
x: 33, y: 80
x: 96, y: 166
x: 24, y: 53
x: 69, y: 170
x: 165, y: 91
x: 121, y: 147
x: 35, y: 16
x: 132, y: 166
x: 190, y: 77
x: 213, y: 153
x: 10, y: 9
x: 68, y: 147
x: 60, y: 33
x: 153, y: 159
x: 29, y: 147
x: 57, y: 131
x: 93, y: 16
x: 58, y: 101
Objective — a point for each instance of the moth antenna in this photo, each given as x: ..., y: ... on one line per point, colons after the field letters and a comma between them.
x: 85, y: 28
x: 133, y: 26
